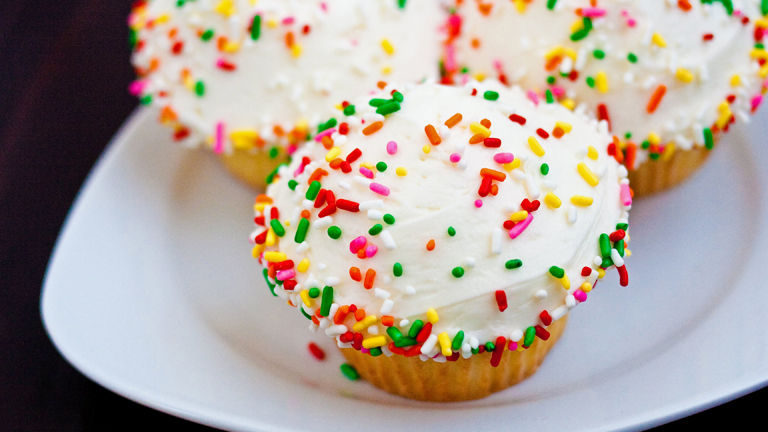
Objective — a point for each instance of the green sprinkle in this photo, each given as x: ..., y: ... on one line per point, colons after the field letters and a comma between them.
x: 530, y: 334
x: 375, y: 352
x: 605, y: 245
x: 133, y: 38
x: 551, y: 80
x: 591, y: 82
x: 256, y: 27
x: 389, y: 219
x: 273, y: 152
x: 513, y: 264
x: 490, y: 346
x: 544, y: 169
x: 325, y: 304
x: 394, y: 333
x: 199, y: 88
x: 584, y: 32
x: 375, y: 229
x: 349, y: 371
x: 551, y: 4
x: 397, y: 269
x: 277, y: 227
x: 728, y: 4
x: 557, y: 272
x: 632, y: 58
x: 405, y: 342
x: 622, y: 226
x: 306, y: 315
x: 207, y: 35
x: 349, y: 110
x: 313, y: 190
x: 550, y: 97
x: 376, y: 102
x: 451, y: 231
x: 759, y: 46
x: 301, y: 231
x: 709, y: 142
x: 607, y: 262
x: 645, y: 144
x: 491, y: 95
x: 292, y: 184
x: 599, y: 54
x: 401, y: 4
x: 620, y: 247
x: 314, y: 292
x: 628, y: 135
x: 764, y: 7
x: 457, y: 340
x: 415, y: 328
x: 475, y: 350
x: 269, y: 284
x: 279, y: 282
x: 334, y: 232
x: 388, y: 108
x: 398, y: 96
x: 381, y: 167
x: 146, y: 99
x: 327, y: 125
x: 457, y: 272
x: 654, y: 156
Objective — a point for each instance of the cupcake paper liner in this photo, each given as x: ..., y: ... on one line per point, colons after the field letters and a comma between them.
x: 655, y: 176
x: 252, y: 168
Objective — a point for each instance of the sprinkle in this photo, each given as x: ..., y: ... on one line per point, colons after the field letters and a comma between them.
x: 374, y: 342
x: 518, y: 119
x: 601, y: 81
x: 520, y: 227
x: 445, y: 344
x: 592, y: 153
x: 391, y: 147
x: 656, y: 98
x: 401, y: 171
x: 623, y: 277
x: 552, y: 200
x: 397, y: 270
x: 530, y: 334
x: 625, y: 195
x: 501, y: 300
x: 275, y: 257
x: 386, y: 238
x: 315, y: 350
x: 347, y: 205
x: 503, y: 158
x: 659, y: 40
x: 370, y: 276
x: 478, y: 128
x: 364, y: 323
x: 709, y: 141
x: 457, y: 272
x: 491, y: 95
x: 587, y: 174
x: 303, y: 266
x: 453, y: 121
x: 325, y: 306
x: 535, y: 146
x: 519, y: 216
x: 387, y: 46
x: 582, y: 201
x: 513, y: 264
x: 334, y: 232
x: 372, y: 128
x: 432, y: 135
x: 426, y: 149
x: 349, y: 371
x: 492, y: 142
x: 496, y: 241
x: 379, y: 189
x: 301, y: 231
x: 432, y: 316
x: 493, y: 174
x: 684, y: 75
x: 429, y: 344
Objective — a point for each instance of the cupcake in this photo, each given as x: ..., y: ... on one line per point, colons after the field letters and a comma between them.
x: 442, y: 234
x: 669, y: 77
x: 251, y: 79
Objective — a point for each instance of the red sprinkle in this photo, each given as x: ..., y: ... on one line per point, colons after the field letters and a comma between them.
x: 542, y: 133
x: 501, y: 343
x: 586, y: 271
x: 290, y: 284
x: 327, y: 211
x: 347, y: 337
x: 545, y: 318
x: 261, y: 238
x: 485, y: 187
x: 320, y: 200
x: 617, y: 235
x: 316, y: 351
x: 623, y: 276
x: 602, y: 114
x: 454, y: 357
x: 501, y: 300
x: 424, y: 333
x: 492, y: 142
x: 283, y: 265
x: 518, y: 119
x: 357, y: 342
x: 542, y: 333
x: 354, y: 155
x: 348, y: 205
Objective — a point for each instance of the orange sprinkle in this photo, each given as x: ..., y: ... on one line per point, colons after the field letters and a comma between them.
x: 558, y: 133
x: 289, y: 39
x: 359, y: 315
x: 684, y: 5
x: 486, y: 123
x: 496, y: 175
x: 619, y: 155
x: 271, y: 272
x: 327, y: 142
x: 290, y: 303
x: 373, y: 128
x: 305, y: 214
x: 553, y: 62
x: 494, y: 189
x: 453, y: 121
x: 263, y: 198
x: 381, y: 85
x: 314, y: 318
x: 388, y: 320
x: 434, y: 138
x: 361, y: 253
x: 341, y: 314
x: 477, y: 138
x: 336, y: 163
x: 355, y: 274
x: 317, y: 175
x: 278, y: 130
x: 475, y: 43
x: 431, y: 245
x: 370, y: 275
x: 631, y: 155
x: 656, y: 98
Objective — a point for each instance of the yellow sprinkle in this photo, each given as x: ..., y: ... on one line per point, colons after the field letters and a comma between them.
x: 659, y: 40
x: 512, y: 165
x: 231, y: 47
x: 271, y: 238
x: 332, y: 154
x: 565, y: 281
x: 339, y: 107
x: 587, y: 174
x: 586, y: 287
x: 272, y: 256
x: 162, y: 18
x: 520, y: 6
x: 257, y: 250
x: 735, y: 81
x: 260, y: 207
x: 725, y: 114
x: 445, y: 344
x: 364, y: 323
x: 302, y: 125
x: 581, y: 200
x: 426, y: 149
x: 566, y: 127
x: 305, y: 298
x: 684, y: 75
x: 758, y: 54
x: 570, y: 53
x: 388, y: 48
x: 592, y: 153
x: 296, y: 50
x: 367, y: 165
x: 654, y: 139
x: 601, y: 81
x: 601, y: 272
x: 762, y: 23
x: 401, y: 171
x: 554, y: 52
x: 479, y: 129
x: 552, y: 200
x: 244, y: 139
x: 432, y: 316
x: 303, y: 265
x: 373, y: 342
x: 225, y: 7
x: 627, y: 252
x: 480, y: 77
x: 519, y: 216
x: 763, y: 71
x: 577, y: 25
x: 535, y: 146
x: 570, y: 104
x: 386, y: 70
x: 287, y: 223
x: 272, y: 23
x: 669, y: 150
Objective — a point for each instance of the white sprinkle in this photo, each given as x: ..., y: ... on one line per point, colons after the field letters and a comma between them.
x: 385, y: 350
x: 572, y: 214
x: 496, y: 241
x: 559, y: 313
x: 624, y: 181
x: 429, y: 344
x: 386, y: 279
x: 323, y: 222
x: 474, y: 342
x: 372, y: 204
x: 373, y: 330
x: 570, y: 301
x: 550, y: 184
x: 303, y: 247
x: 404, y: 323
x: 295, y: 216
x: 533, y: 190
x: 341, y: 344
x: 333, y: 310
x: 332, y: 281
x: 617, y: 259
x: 592, y: 277
x: 344, y: 185
x: 470, y: 262
x: 389, y: 242
x: 621, y: 171
x: 380, y: 293
x: 465, y: 347
x: 410, y: 290
x: 312, y: 327
x: 386, y: 307
x: 601, y: 170
x: 517, y: 175
x: 516, y: 335
x: 423, y: 357
x: 312, y: 282
x: 444, y: 132
x: 321, y: 266
x: 282, y: 294
x: 466, y: 355
x: 336, y: 330
x: 325, y: 323
x: 541, y: 294
x: 375, y: 214
x: 462, y: 164
x: 362, y: 181
x: 307, y: 204
x: 598, y: 261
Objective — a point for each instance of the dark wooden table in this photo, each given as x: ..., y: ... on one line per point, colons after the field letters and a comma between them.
x: 64, y: 73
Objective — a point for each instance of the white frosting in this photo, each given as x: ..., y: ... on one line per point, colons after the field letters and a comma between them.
x: 340, y: 49
x: 436, y: 194
x: 515, y: 42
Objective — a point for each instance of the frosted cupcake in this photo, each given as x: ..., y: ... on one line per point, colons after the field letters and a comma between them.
x: 441, y: 234
x: 250, y: 79
x: 668, y: 76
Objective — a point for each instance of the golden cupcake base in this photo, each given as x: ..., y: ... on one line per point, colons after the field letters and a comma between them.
x: 655, y: 176
x: 252, y: 168
x: 462, y: 380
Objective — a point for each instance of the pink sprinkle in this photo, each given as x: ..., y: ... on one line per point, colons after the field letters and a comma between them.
x: 557, y: 91
x: 630, y: 21
x: 520, y: 227
x: 327, y: 132
x: 625, y: 195
x: 497, y: 65
x: 592, y: 12
x: 580, y: 295
x: 366, y: 172
x: 291, y: 149
x: 365, y: 350
x: 135, y: 88
x: 284, y: 275
x: 288, y: 20
x: 533, y: 97
x: 512, y: 346
x: 370, y: 251
x: 503, y: 158
x: 218, y: 146
x: 455, y: 157
x: 450, y: 58
x: 357, y: 244
x: 478, y: 203
x: 379, y: 189
x: 391, y: 147
x: 301, y: 167
x: 756, y: 101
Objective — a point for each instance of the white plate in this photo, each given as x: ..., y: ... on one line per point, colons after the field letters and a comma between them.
x: 152, y: 293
